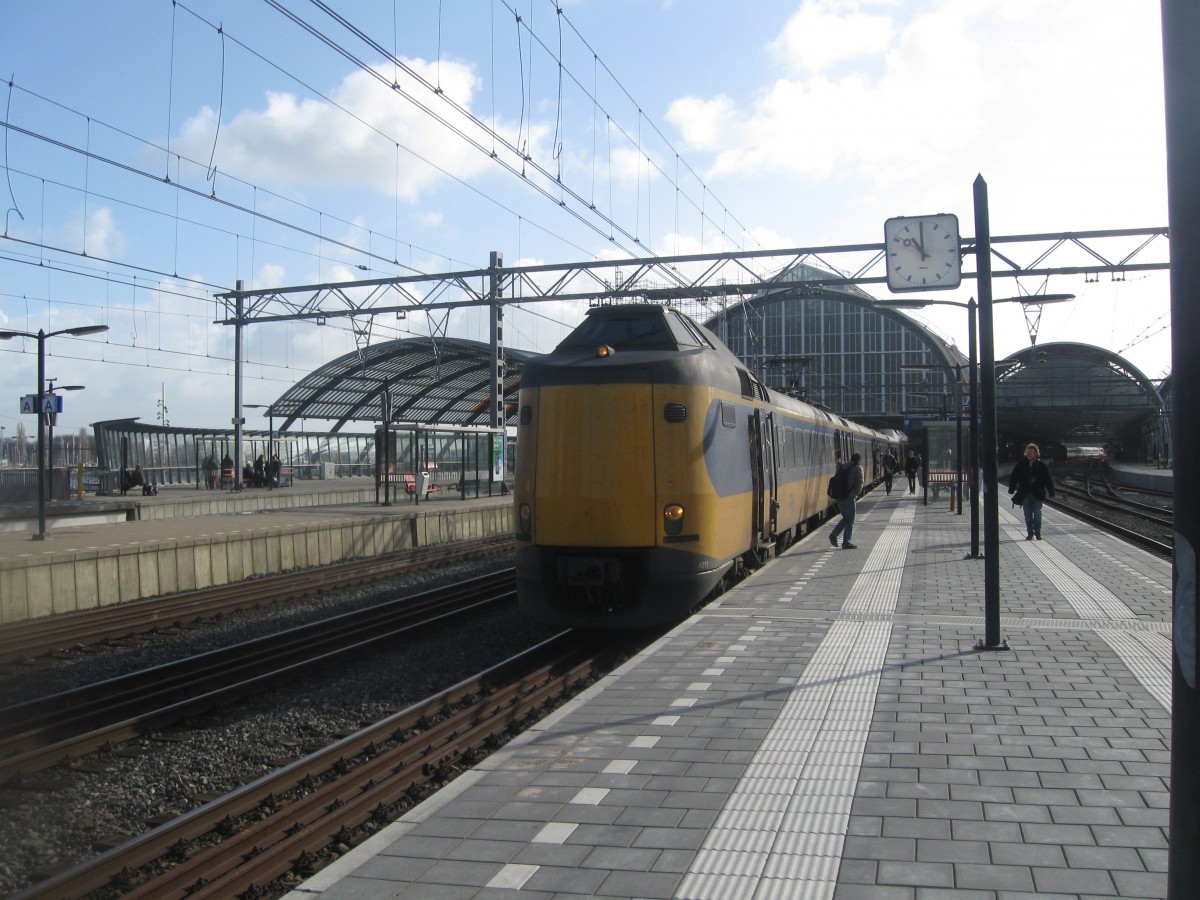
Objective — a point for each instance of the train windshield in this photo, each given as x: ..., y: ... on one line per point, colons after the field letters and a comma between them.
x: 639, y: 331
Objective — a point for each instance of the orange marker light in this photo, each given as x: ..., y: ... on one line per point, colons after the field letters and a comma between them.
x: 673, y: 518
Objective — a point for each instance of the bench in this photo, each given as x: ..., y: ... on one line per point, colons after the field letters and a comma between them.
x: 409, y: 480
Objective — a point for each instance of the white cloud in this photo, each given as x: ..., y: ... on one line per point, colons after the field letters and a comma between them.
x: 822, y: 33
x: 99, y: 236
x: 269, y: 275
x: 702, y: 122
x: 312, y: 142
x: 1061, y: 106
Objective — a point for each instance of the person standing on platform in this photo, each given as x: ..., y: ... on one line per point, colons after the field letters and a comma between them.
x: 849, y: 505
x: 1030, y: 484
x: 210, y: 472
x: 890, y: 466
x: 911, y: 465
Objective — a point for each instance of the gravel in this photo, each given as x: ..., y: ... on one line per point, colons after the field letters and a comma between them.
x: 63, y: 816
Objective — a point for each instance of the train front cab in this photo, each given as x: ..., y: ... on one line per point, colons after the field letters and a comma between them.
x: 615, y: 519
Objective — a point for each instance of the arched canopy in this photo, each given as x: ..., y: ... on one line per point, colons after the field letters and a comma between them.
x: 1073, y: 393
x: 443, y: 381
x: 834, y: 347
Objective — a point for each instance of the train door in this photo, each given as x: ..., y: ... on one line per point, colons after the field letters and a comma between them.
x: 762, y: 470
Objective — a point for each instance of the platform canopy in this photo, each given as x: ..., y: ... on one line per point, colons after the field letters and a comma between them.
x: 1073, y: 393
x: 445, y: 381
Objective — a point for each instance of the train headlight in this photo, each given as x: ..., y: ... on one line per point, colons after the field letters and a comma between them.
x: 604, y: 351
x: 525, y: 519
x: 673, y: 518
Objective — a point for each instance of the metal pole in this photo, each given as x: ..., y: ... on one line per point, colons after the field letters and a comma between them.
x: 387, y: 466
x: 41, y: 437
x: 958, y: 481
x: 495, y: 296
x: 50, y: 446
x: 987, y: 354
x: 270, y: 450
x: 974, y: 432
x: 238, y: 421
x: 1181, y: 69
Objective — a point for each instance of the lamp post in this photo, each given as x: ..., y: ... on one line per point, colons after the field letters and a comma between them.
x: 957, y: 370
x: 270, y: 414
x: 42, y: 336
x: 973, y: 369
x: 50, y: 429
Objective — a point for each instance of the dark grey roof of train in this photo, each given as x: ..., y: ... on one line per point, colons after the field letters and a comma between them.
x: 443, y: 381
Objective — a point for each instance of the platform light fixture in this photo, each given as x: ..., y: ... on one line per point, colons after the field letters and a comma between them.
x: 983, y: 310
x: 973, y: 370
x: 50, y: 428
x: 270, y: 414
x: 958, y: 406
x: 41, y: 336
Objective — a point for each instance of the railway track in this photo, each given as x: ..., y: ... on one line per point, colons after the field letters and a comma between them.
x: 39, y: 637
x: 1147, y: 526
x: 43, y: 732
x: 284, y: 825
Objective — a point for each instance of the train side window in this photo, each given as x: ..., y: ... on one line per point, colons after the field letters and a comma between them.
x: 685, y: 332
x: 728, y: 415
x: 747, y: 383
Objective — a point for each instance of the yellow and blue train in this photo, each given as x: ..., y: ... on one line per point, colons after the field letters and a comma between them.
x: 652, y: 466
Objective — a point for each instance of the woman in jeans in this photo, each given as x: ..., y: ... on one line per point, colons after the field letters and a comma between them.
x: 1030, y: 484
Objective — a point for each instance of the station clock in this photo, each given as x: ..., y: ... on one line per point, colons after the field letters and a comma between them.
x: 922, y: 252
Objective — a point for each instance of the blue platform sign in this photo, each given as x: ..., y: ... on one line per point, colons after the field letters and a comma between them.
x: 49, y: 403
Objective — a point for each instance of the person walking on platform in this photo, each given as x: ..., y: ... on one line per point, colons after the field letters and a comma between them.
x: 911, y: 465
x: 849, y: 505
x: 890, y: 467
x: 1030, y: 484
x: 210, y: 472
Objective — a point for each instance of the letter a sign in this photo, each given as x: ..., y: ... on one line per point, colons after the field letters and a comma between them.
x: 49, y: 403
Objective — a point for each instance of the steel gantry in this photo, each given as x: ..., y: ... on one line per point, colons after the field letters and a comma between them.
x: 696, y: 277
x: 700, y: 284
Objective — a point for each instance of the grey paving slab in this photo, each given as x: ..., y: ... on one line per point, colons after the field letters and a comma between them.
x: 828, y: 730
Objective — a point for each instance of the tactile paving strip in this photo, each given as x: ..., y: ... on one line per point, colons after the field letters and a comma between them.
x: 786, y: 820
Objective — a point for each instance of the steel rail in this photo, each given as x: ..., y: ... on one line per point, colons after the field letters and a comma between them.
x: 38, y: 637
x: 80, y: 722
x: 426, y: 739
x: 1138, y: 540
x: 1119, y: 505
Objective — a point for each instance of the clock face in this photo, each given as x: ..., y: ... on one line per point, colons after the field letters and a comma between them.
x: 922, y: 252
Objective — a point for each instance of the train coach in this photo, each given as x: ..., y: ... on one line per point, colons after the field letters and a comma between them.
x: 652, y: 466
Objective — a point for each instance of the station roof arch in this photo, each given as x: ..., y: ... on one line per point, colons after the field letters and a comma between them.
x: 1073, y: 393
x: 443, y: 381
x: 834, y: 347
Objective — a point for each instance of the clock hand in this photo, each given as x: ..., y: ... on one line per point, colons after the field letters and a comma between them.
x: 921, y: 245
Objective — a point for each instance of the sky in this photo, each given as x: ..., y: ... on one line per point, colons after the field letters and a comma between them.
x: 156, y: 153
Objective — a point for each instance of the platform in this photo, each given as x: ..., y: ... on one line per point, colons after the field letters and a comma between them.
x: 1139, y: 475
x: 185, y: 539
x: 828, y: 730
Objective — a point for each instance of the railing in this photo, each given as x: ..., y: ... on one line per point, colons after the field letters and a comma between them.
x: 20, y: 485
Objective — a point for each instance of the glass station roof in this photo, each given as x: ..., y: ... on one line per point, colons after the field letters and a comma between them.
x: 428, y: 380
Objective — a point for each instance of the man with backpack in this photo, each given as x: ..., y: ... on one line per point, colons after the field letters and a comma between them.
x: 847, y: 504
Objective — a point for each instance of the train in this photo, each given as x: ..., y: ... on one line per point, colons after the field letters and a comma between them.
x: 653, y: 466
